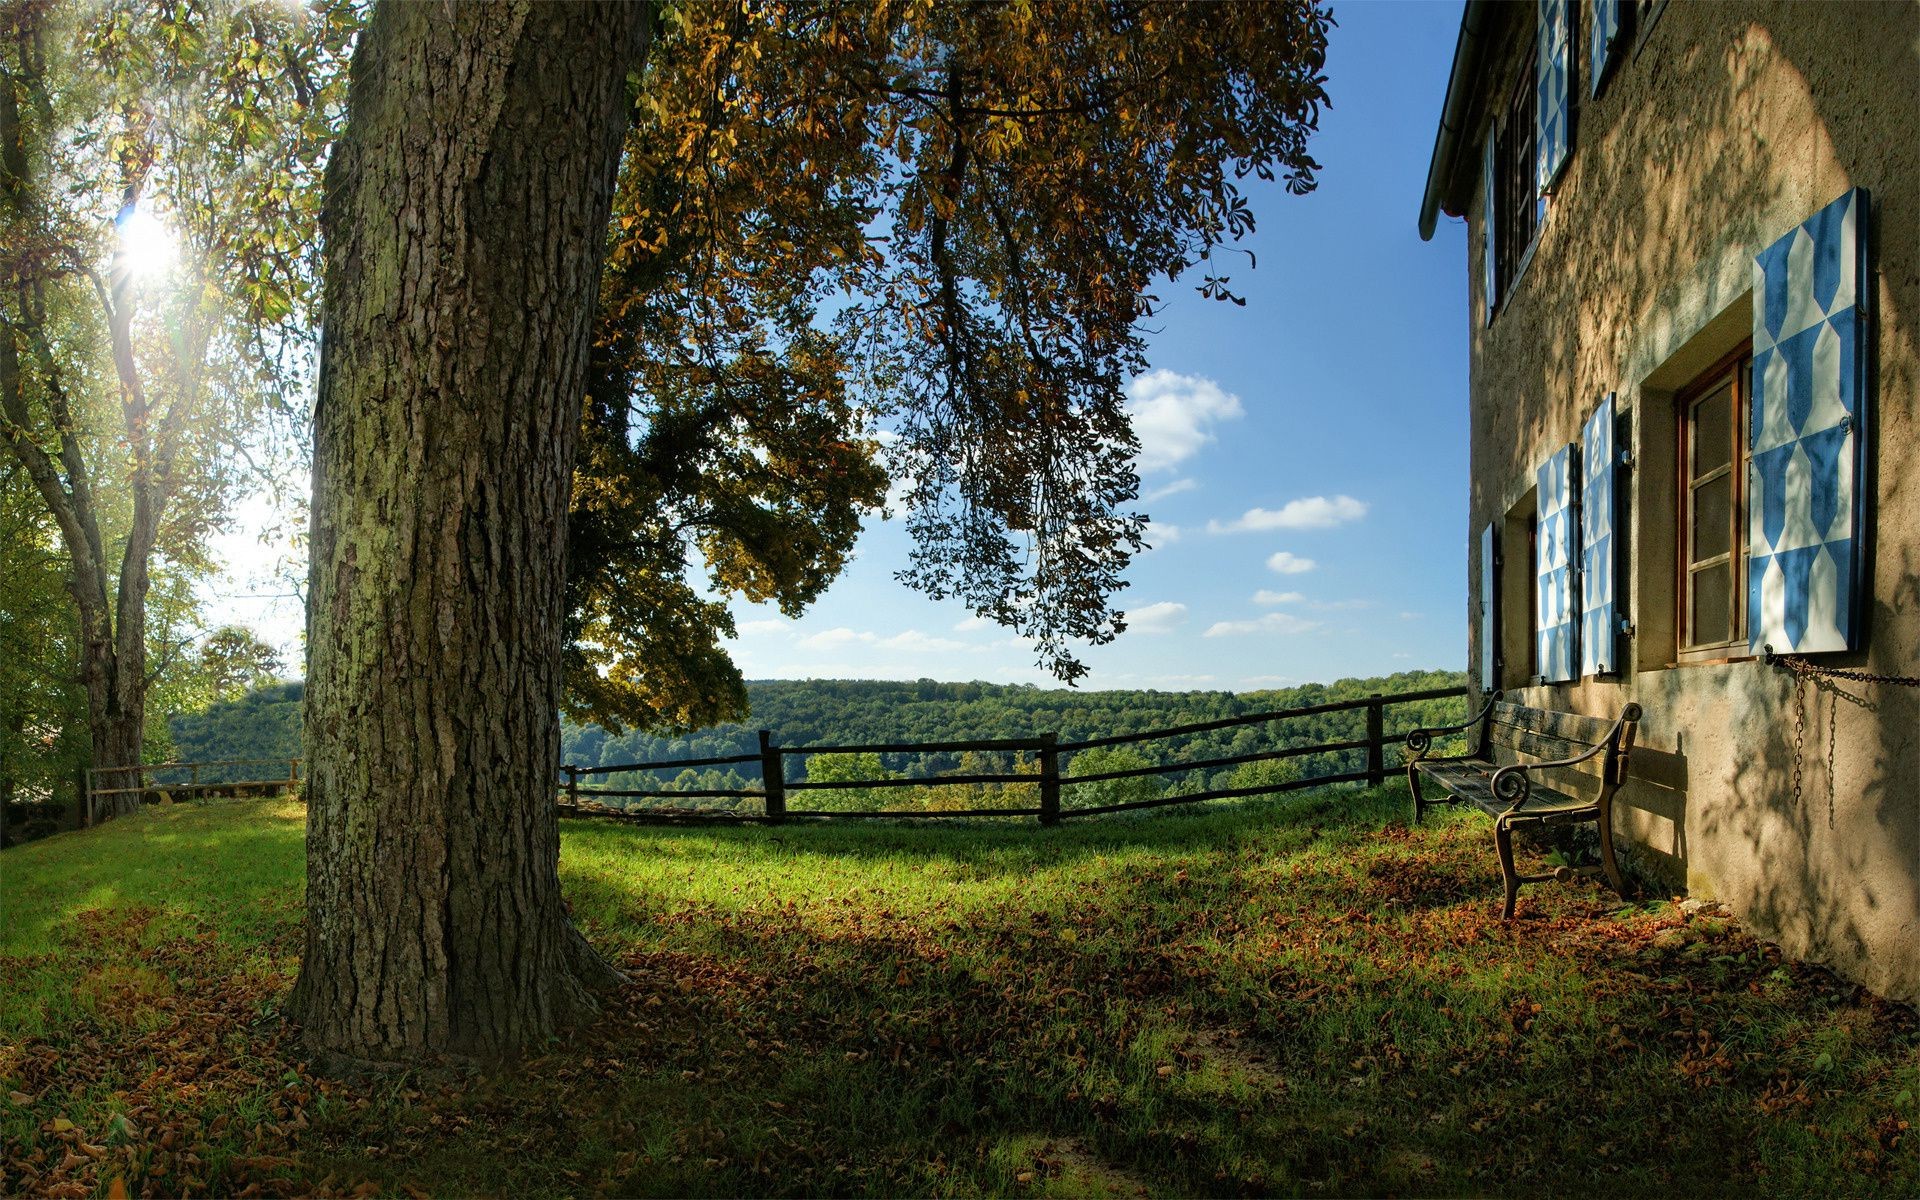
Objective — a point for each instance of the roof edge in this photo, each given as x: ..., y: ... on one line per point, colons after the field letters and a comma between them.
x: 1467, y: 53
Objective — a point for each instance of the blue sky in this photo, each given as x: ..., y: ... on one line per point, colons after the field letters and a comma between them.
x: 1304, y: 458
x: 1334, y: 403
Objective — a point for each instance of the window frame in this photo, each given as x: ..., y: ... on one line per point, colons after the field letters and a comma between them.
x: 1516, y: 178
x: 1736, y: 369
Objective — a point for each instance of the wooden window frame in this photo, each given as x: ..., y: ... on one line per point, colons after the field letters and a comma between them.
x: 1734, y: 367
x: 1533, y: 598
x: 1518, y: 215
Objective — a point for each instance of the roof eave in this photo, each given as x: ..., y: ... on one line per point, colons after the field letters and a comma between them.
x: 1448, y: 142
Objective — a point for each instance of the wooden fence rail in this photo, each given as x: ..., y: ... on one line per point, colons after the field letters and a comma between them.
x: 143, y: 780
x: 1047, y: 749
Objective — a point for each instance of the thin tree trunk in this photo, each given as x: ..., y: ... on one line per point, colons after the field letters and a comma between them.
x: 465, y: 223
x: 113, y: 647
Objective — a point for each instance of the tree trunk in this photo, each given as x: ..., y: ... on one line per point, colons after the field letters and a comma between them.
x: 465, y: 224
x: 114, y: 652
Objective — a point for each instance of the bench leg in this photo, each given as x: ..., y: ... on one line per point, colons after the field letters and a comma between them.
x: 1503, y: 842
x: 1413, y: 785
x: 1606, y: 855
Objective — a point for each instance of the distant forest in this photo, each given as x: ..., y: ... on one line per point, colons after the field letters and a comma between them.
x: 266, y: 724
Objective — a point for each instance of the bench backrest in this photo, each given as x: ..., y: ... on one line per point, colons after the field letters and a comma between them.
x: 1516, y: 733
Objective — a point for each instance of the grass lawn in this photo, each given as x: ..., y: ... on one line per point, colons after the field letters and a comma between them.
x: 1300, y: 996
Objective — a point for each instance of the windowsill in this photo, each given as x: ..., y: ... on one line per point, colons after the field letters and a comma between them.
x: 1729, y: 660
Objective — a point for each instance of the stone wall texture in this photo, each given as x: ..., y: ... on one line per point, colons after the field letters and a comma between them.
x: 1723, y: 127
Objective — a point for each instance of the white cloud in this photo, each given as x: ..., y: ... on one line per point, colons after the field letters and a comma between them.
x: 1186, y: 681
x: 912, y: 639
x: 1163, y: 617
x: 1183, y: 484
x: 1173, y: 416
x: 1270, y: 623
x: 1159, y: 534
x: 972, y: 622
x: 1410, y: 616
x: 1268, y: 596
x: 1309, y: 512
x: 749, y: 628
x: 1259, y: 682
x: 1288, y: 563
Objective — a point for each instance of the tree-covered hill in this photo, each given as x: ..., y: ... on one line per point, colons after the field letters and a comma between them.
x: 265, y: 724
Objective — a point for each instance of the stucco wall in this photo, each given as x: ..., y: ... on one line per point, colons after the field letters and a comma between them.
x: 1724, y: 128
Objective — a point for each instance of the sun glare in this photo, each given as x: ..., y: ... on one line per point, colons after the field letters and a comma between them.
x: 150, y: 246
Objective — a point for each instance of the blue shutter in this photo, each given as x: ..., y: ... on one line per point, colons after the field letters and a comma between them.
x: 1551, y: 112
x: 1806, y: 530
x: 1606, y: 40
x: 1490, y: 224
x: 1489, y: 600
x: 1553, y: 569
x: 1599, y: 608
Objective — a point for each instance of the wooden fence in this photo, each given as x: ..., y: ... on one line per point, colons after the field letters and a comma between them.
x: 1047, y: 748
x: 146, y: 778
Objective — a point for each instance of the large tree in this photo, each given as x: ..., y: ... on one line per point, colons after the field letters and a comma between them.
x: 156, y: 171
x: 835, y: 220
x: 465, y: 219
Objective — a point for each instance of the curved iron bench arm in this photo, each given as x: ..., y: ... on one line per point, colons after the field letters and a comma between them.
x: 1419, y: 741
x: 1510, y: 783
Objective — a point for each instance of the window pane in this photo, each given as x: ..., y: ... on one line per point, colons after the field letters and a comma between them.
x: 1713, y: 431
x: 1712, y: 517
x: 1712, y: 610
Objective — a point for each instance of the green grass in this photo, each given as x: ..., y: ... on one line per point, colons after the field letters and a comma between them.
x: 1300, y: 996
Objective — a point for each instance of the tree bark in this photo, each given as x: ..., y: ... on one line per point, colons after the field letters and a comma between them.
x: 465, y: 224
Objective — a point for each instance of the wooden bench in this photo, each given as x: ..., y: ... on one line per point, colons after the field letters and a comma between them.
x: 1530, y: 766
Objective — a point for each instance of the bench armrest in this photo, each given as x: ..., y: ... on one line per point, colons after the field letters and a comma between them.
x: 1510, y: 783
x: 1419, y: 741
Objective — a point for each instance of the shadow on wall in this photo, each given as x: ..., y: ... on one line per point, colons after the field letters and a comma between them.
x: 1729, y: 128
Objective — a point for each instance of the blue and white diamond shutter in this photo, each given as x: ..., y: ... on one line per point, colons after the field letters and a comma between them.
x: 1490, y: 225
x: 1489, y: 598
x: 1602, y: 44
x: 1599, y: 611
x: 1805, y: 527
x: 1553, y: 569
x: 1551, y: 111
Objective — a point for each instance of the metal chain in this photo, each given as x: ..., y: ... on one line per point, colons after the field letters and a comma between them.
x: 1799, y: 732
x: 1803, y: 671
x: 1800, y: 666
x: 1833, y: 714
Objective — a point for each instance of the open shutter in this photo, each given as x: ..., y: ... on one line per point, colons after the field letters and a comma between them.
x: 1552, y: 111
x: 1599, y: 610
x: 1489, y: 608
x: 1806, y: 530
x: 1605, y: 42
x: 1553, y: 569
x: 1491, y: 222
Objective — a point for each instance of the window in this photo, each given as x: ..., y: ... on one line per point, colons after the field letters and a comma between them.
x: 1712, y: 619
x: 1517, y: 204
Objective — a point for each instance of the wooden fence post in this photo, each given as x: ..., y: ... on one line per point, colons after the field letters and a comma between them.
x: 1049, y: 779
x: 773, y: 778
x: 573, y: 787
x: 1376, y: 742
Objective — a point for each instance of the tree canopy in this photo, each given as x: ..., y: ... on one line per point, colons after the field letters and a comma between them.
x: 861, y: 240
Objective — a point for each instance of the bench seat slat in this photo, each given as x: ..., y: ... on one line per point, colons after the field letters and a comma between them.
x: 1472, y: 781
